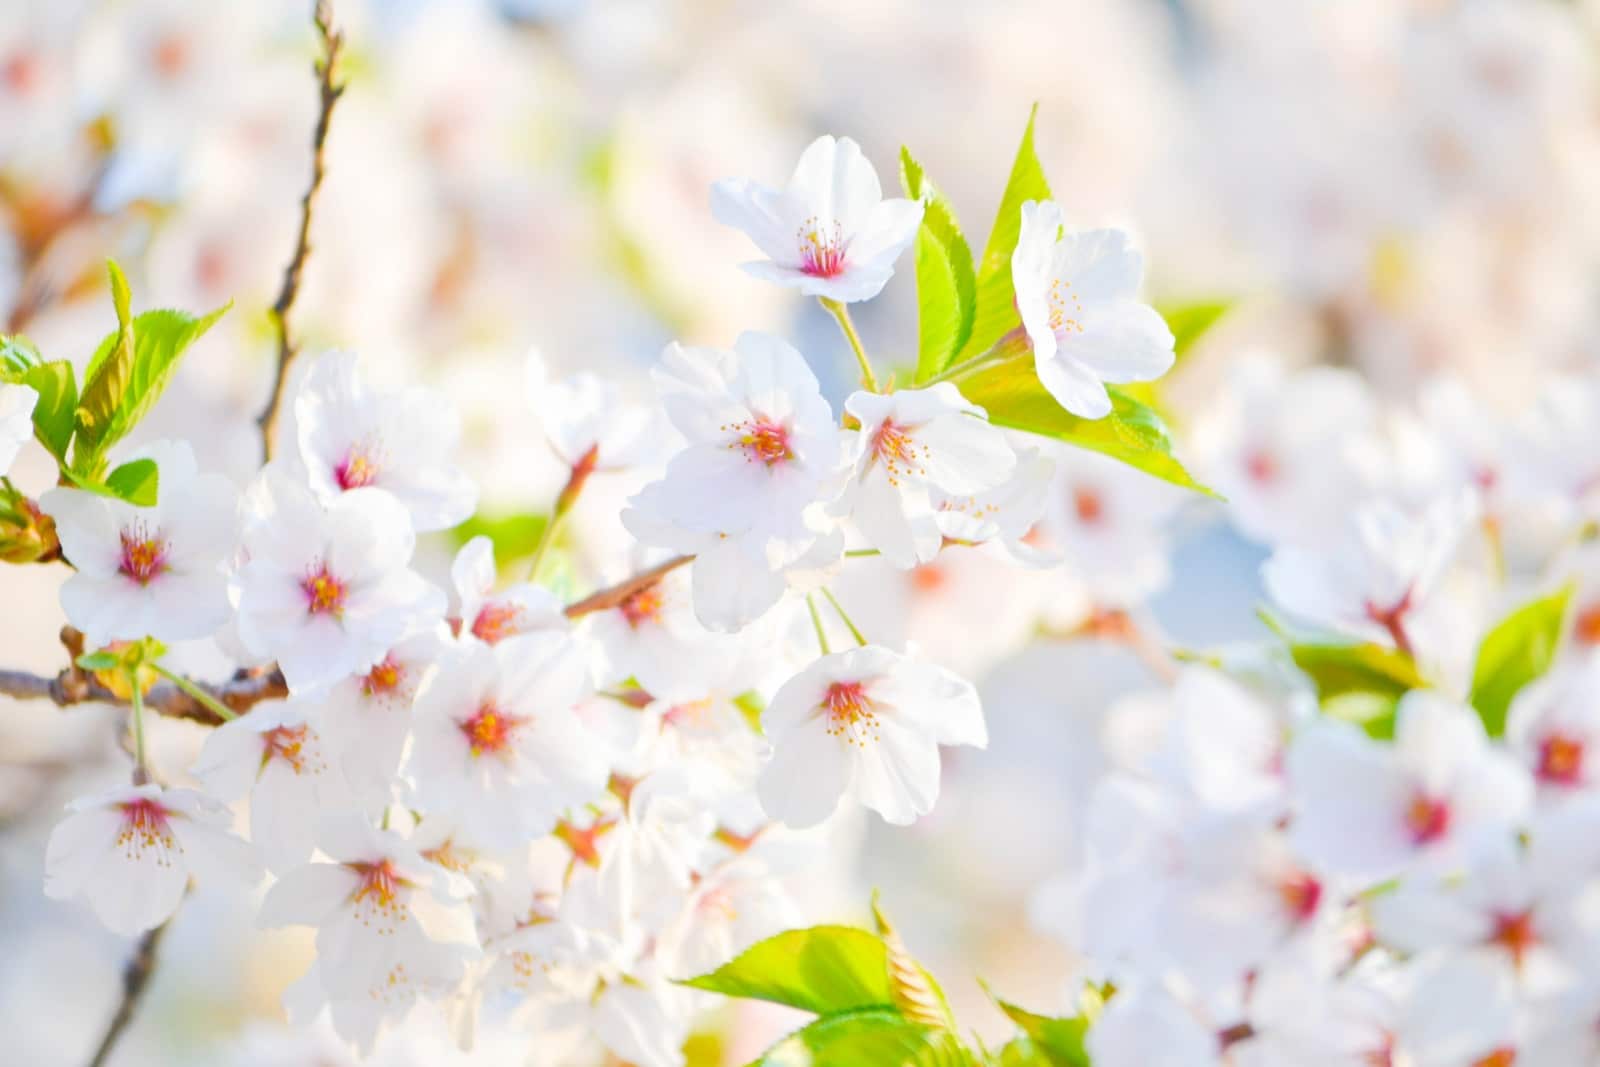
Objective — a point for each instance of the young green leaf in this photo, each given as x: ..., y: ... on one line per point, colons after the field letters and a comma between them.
x: 824, y: 969
x: 1360, y: 683
x: 1011, y: 393
x: 946, y: 282
x: 17, y: 357
x: 58, y: 398
x: 1190, y: 322
x: 137, y: 482
x: 106, y: 378
x: 874, y: 1037
x: 996, y: 313
x: 1053, y: 1042
x: 1514, y: 653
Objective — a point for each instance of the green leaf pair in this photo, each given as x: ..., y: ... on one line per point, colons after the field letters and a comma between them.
x: 125, y: 377
x: 966, y: 313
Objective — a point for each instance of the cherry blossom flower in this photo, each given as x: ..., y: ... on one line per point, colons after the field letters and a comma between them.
x: 326, y: 591
x: 866, y: 723
x: 748, y: 492
x: 16, y: 421
x: 351, y: 436
x: 381, y: 911
x: 1381, y: 581
x: 1371, y: 810
x: 916, y: 446
x: 653, y: 637
x: 132, y: 850
x: 490, y: 616
x: 154, y: 571
x: 586, y: 420
x: 1078, y: 297
x: 497, y: 742
x: 830, y: 233
x: 365, y: 719
x: 1554, y: 729
x: 279, y: 758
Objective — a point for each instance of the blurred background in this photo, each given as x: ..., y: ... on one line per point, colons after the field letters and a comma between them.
x: 1400, y: 187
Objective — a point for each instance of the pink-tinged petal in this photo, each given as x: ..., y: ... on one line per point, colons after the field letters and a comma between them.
x: 77, y: 845
x: 218, y: 857
x: 889, y: 230
x: 1099, y: 266
x: 965, y: 455
x: 731, y: 589
x: 1353, y: 802
x: 473, y: 573
x: 835, y: 183
x: 762, y: 214
x: 808, y: 773
x: 89, y: 528
x: 898, y: 520
x: 139, y: 882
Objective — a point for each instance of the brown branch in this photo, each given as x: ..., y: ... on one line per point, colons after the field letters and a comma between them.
x: 135, y: 979
x: 611, y: 596
x: 331, y: 88
x: 72, y: 686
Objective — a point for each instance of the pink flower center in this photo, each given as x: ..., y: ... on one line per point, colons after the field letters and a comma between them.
x: 1560, y: 760
x: 764, y: 441
x: 1515, y: 934
x: 380, y: 883
x: 642, y: 608
x: 21, y: 73
x: 490, y: 730
x: 1089, y: 505
x: 383, y: 679
x: 144, y: 554
x: 496, y: 621
x: 1300, y: 893
x: 143, y: 818
x: 850, y: 713
x: 359, y: 468
x: 1586, y: 627
x: 1428, y: 819
x: 1262, y: 467
x: 286, y: 743
x: 324, y: 593
x: 170, y: 56
x: 898, y: 449
x: 821, y: 249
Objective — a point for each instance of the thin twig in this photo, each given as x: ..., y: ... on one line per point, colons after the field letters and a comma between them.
x: 135, y: 979
x: 611, y: 596
x: 326, y: 67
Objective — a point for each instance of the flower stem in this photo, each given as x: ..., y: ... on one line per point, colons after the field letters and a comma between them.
x: 221, y: 710
x: 1010, y: 345
x: 576, y: 479
x: 816, y: 622
x: 839, y: 608
x: 141, y: 769
x: 841, y: 312
x: 861, y: 553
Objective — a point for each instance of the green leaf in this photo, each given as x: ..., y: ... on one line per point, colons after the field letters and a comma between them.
x: 137, y: 482
x: 946, y: 282
x: 514, y: 536
x: 1058, y: 1041
x: 1011, y: 393
x: 872, y: 1037
x: 58, y: 398
x: 1190, y: 322
x: 823, y: 970
x: 99, y: 661
x: 996, y: 313
x: 1514, y: 653
x: 114, y: 402
x: 1359, y: 683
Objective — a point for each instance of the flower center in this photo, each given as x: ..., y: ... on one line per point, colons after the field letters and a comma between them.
x: 642, y: 607
x: 1586, y: 627
x: 359, y: 468
x: 324, y: 593
x: 1427, y: 818
x: 850, y: 714
x: 1515, y: 934
x: 821, y: 248
x: 383, y: 679
x: 1300, y: 893
x: 380, y: 883
x: 144, y: 554
x: 763, y: 440
x: 21, y: 73
x: 1066, y: 310
x: 489, y: 730
x: 145, y: 828
x: 1089, y: 505
x: 1500, y: 1057
x: 899, y: 450
x: 1561, y: 760
x: 1262, y: 467
x: 286, y: 743
x: 495, y: 621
